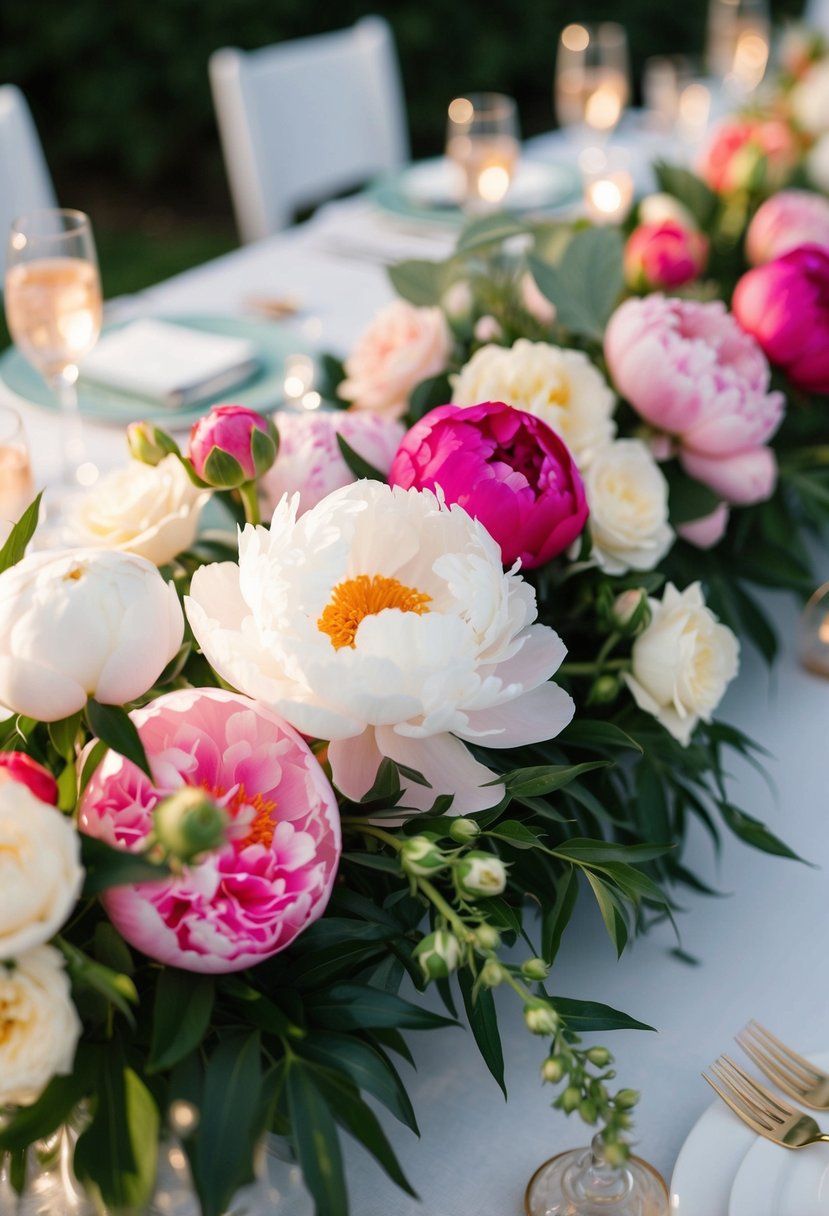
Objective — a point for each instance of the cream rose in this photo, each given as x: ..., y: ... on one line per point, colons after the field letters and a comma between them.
x: 682, y: 662
x: 40, y: 1025
x: 562, y: 387
x: 149, y: 510
x: 817, y: 163
x: 808, y: 99
x: 628, y: 499
x: 40, y: 870
x: 402, y: 346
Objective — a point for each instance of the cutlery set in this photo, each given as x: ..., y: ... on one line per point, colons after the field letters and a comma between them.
x: 764, y: 1111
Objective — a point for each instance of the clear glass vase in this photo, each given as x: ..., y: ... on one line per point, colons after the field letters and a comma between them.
x: 582, y: 1182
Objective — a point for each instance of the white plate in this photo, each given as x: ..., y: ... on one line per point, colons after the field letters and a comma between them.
x: 708, y: 1161
x: 439, y: 183
x: 775, y: 1181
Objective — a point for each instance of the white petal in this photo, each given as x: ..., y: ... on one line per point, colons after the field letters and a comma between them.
x: 532, y: 718
x: 449, y: 767
x: 354, y: 764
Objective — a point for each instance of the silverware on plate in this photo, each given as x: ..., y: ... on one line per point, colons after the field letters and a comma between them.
x: 792, y: 1073
x: 764, y: 1112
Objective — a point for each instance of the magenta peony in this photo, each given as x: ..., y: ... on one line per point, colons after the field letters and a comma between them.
x: 786, y: 220
x: 785, y: 306
x: 689, y: 370
x: 231, y: 445
x: 273, y: 876
x: 17, y: 766
x: 749, y: 153
x: 664, y: 255
x: 506, y: 468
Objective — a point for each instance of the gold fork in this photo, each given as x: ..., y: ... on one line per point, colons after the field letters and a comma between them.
x: 784, y: 1067
x: 764, y: 1112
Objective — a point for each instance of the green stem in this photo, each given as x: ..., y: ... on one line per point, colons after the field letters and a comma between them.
x: 250, y: 501
x: 592, y: 669
x: 368, y: 829
x: 447, y: 911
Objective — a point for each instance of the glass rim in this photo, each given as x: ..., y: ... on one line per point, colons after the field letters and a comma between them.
x: 79, y: 220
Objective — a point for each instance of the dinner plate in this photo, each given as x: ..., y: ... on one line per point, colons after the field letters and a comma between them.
x: 263, y: 391
x: 431, y: 190
x: 775, y: 1181
x: 708, y: 1162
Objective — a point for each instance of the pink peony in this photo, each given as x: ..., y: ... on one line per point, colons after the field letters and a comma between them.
x: 689, y: 370
x: 402, y: 346
x: 234, y: 432
x: 786, y: 220
x: 17, y: 766
x: 749, y: 153
x: 273, y: 877
x: 664, y: 255
x: 506, y: 468
x: 310, y: 463
x: 785, y: 306
x: 707, y: 531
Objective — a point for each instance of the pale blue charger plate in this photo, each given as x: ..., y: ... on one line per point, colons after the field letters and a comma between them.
x: 263, y: 391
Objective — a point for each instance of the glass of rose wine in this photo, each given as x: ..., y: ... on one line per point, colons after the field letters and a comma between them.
x: 53, y: 308
x: 482, y: 139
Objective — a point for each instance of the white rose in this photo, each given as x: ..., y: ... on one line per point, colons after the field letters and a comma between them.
x: 402, y: 346
x: 817, y: 163
x: 40, y: 1025
x: 149, y: 510
x: 562, y: 387
x: 83, y: 623
x: 628, y: 499
x: 40, y: 870
x: 810, y: 99
x: 682, y: 662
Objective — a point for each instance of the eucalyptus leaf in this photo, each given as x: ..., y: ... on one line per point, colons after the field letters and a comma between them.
x: 419, y: 281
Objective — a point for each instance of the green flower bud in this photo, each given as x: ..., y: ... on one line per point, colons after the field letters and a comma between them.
x: 615, y: 1154
x: 626, y: 1098
x: 438, y: 954
x: 587, y: 1110
x: 420, y: 857
x: 552, y: 1070
x: 535, y: 969
x: 598, y: 1056
x: 541, y: 1018
x: 630, y: 613
x: 149, y: 443
x: 604, y: 690
x: 189, y: 823
x: 464, y: 831
x: 481, y: 874
x: 570, y: 1098
x: 487, y: 937
x: 492, y: 973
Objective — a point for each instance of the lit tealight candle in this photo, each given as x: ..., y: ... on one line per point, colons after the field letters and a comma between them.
x: 299, y: 376
x: 694, y: 111
x: 608, y: 199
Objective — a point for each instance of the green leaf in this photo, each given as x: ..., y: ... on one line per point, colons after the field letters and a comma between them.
x: 108, y: 867
x: 369, y: 1069
x: 691, y: 191
x: 356, y: 463
x: 586, y: 284
x: 688, y: 499
x: 181, y: 1016
x: 516, y: 834
x: 93, y: 759
x: 52, y: 1108
x: 116, y: 1155
x: 223, y: 470
x: 222, y: 1156
x: 556, y: 918
x: 355, y: 1007
x: 64, y: 734
x: 428, y: 395
x: 612, y: 915
x: 651, y: 806
x: 115, y: 987
x: 488, y: 230
x: 596, y: 736
x: 20, y: 535
x: 419, y: 281
x: 592, y: 1015
x: 596, y: 852
x: 386, y: 785
x: 113, y: 726
x: 373, y: 861
x: 316, y: 1141
x: 755, y: 833
x: 483, y: 1022
x: 545, y: 778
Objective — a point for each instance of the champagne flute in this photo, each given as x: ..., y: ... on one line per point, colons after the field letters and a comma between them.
x: 482, y: 139
x: 592, y: 78
x: 53, y: 308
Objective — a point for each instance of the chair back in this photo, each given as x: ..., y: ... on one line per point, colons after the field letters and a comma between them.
x: 25, y: 184
x: 306, y: 119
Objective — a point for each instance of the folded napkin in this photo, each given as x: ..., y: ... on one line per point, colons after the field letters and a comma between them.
x: 169, y: 363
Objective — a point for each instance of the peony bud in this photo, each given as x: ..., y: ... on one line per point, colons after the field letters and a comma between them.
x: 487, y: 937
x: 552, y: 1070
x: 492, y: 973
x: 541, y: 1018
x: 663, y: 256
x: 535, y: 969
x: 630, y: 611
x: 438, y: 954
x: 232, y: 445
x: 149, y: 443
x: 615, y: 1154
x: 488, y: 329
x: 587, y: 1110
x: 420, y: 858
x: 481, y: 874
x: 17, y: 766
x: 598, y: 1056
x: 464, y: 831
x: 189, y: 823
x: 570, y: 1098
x: 626, y: 1098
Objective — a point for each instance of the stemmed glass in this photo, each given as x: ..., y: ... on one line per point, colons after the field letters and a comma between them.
x: 582, y: 1182
x: 53, y: 307
x: 592, y: 78
x: 16, y: 482
x: 739, y: 34
x: 482, y: 138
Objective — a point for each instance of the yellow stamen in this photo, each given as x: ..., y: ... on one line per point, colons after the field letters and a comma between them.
x: 357, y: 598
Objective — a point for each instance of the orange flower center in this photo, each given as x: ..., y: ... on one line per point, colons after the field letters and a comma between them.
x: 357, y: 598
x: 261, y: 829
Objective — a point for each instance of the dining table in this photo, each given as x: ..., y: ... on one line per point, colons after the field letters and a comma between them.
x: 750, y: 949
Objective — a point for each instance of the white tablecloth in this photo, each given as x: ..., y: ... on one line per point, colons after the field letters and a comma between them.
x: 760, y: 945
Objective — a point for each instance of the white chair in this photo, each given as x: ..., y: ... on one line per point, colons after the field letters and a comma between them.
x: 306, y: 119
x: 816, y: 14
x: 25, y: 184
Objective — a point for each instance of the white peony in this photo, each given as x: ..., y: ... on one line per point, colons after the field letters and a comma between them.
x: 562, y: 387
x: 149, y: 510
x: 810, y: 99
x: 40, y: 869
x: 382, y: 620
x: 682, y: 662
x: 83, y: 623
x: 40, y: 1025
x: 817, y: 163
x: 628, y: 499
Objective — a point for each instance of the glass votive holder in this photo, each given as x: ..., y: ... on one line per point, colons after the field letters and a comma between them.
x: 608, y: 195
x: 580, y: 1182
x: 813, y: 638
x: 482, y: 139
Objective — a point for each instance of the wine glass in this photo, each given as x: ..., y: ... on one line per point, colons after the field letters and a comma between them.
x: 482, y: 139
x: 53, y: 308
x: 16, y: 482
x: 592, y: 78
x: 738, y: 38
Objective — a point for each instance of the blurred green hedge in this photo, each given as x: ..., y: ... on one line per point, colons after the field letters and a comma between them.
x: 120, y: 90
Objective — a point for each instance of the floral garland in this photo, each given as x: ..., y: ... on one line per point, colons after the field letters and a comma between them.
x: 470, y: 665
